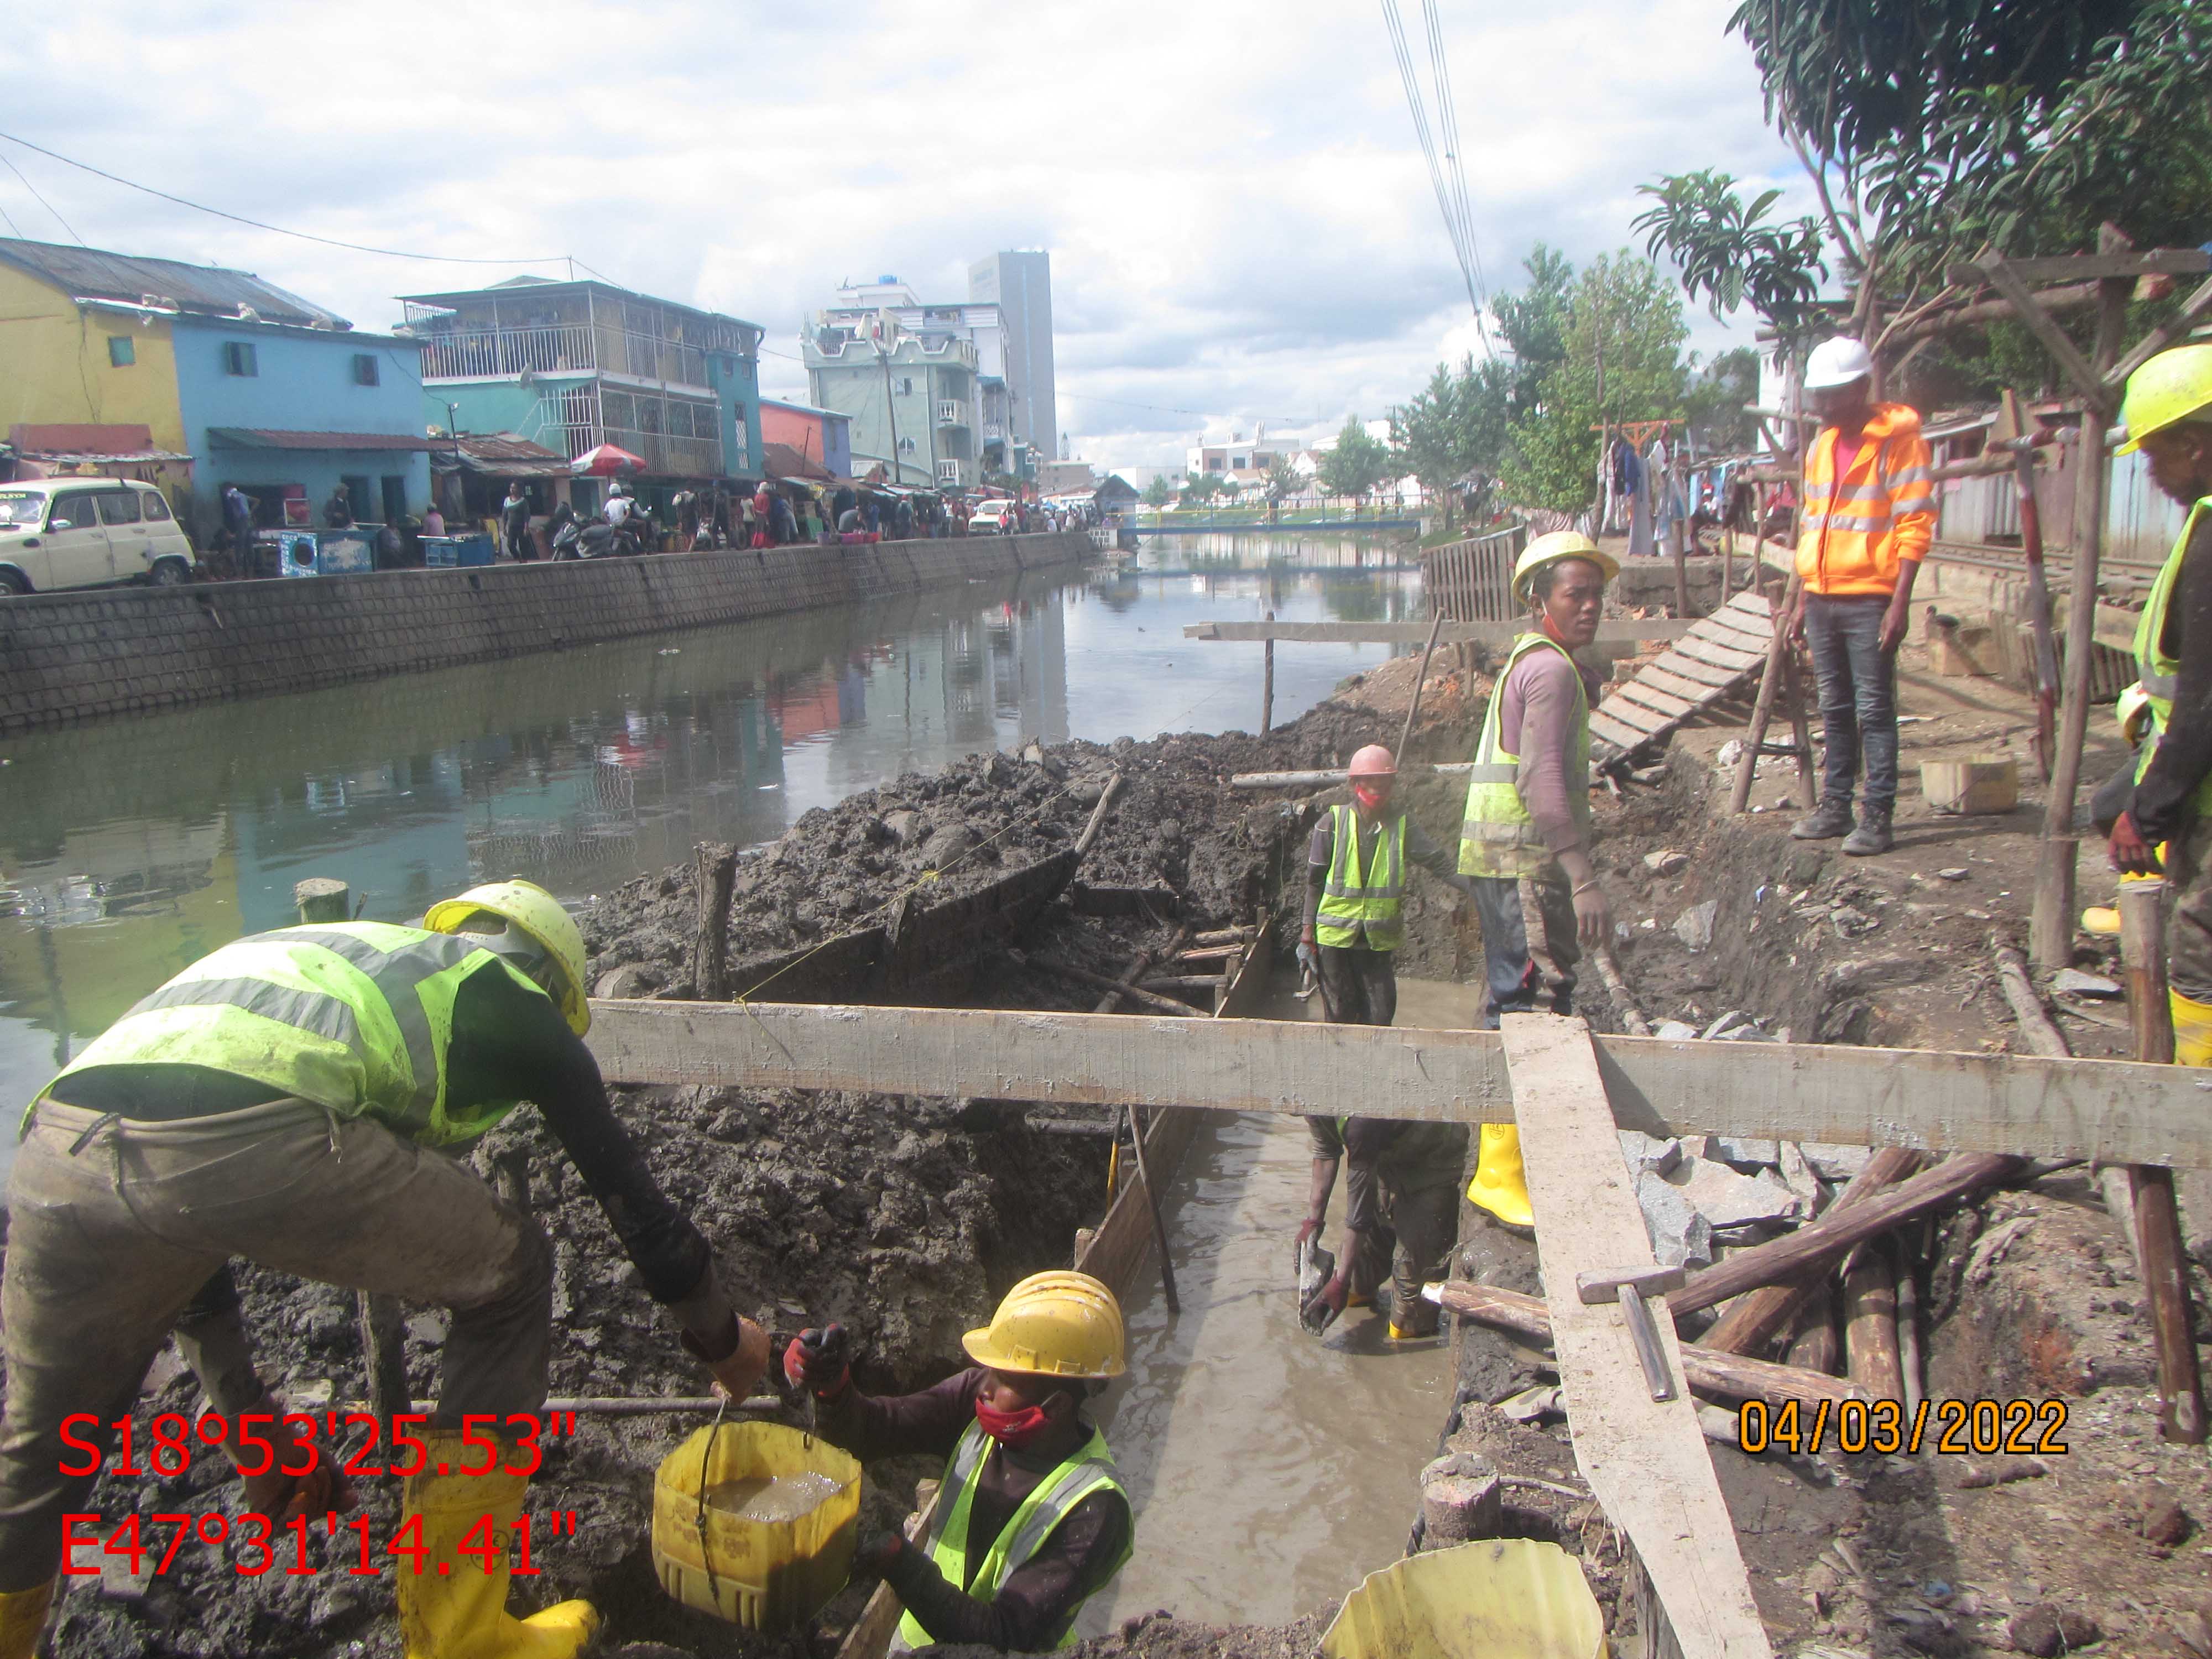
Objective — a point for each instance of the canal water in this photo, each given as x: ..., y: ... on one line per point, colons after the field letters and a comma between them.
x: 130, y: 848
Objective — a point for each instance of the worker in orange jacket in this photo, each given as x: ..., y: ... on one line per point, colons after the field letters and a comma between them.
x: 1868, y: 516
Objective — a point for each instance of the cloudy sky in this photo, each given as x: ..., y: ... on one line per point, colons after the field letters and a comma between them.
x: 1241, y: 223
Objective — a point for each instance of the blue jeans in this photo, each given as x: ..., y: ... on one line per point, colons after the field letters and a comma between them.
x: 1516, y: 976
x: 1857, y: 683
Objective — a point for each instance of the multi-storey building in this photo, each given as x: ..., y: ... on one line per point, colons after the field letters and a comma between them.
x: 573, y: 365
x: 1020, y: 286
x: 910, y: 378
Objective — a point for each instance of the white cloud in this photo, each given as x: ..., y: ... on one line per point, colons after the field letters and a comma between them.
x: 1240, y: 221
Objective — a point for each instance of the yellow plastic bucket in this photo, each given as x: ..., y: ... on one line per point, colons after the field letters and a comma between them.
x: 766, y: 1576
x: 1498, y: 1598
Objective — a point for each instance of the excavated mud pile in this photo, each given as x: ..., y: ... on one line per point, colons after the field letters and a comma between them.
x: 904, y: 1219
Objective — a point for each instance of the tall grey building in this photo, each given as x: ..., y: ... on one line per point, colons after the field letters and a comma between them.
x: 1020, y: 284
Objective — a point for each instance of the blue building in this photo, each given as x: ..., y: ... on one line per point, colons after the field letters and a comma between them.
x: 574, y: 365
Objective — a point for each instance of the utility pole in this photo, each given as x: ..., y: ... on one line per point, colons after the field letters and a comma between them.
x: 891, y: 412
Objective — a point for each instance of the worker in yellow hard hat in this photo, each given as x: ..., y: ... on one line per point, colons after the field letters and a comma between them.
x: 2168, y: 413
x: 291, y: 1099
x: 1526, y: 838
x: 1031, y: 1520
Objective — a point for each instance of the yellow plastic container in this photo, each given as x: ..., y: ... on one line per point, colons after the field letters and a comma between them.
x: 766, y: 1576
x: 1500, y: 1598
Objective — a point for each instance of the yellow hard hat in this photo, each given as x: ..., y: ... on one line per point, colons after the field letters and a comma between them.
x: 2172, y: 386
x: 1056, y: 1324
x: 529, y: 907
x: 1550, y: 549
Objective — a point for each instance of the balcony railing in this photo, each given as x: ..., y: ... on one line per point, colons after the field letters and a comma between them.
x: 994, y: 431
x: 560, y: 349
x: 951, y: 411
x: 686, y: 458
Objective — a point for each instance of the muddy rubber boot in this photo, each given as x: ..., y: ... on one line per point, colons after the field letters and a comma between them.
x: 2192, y: 1029
x: 1873, y: 836
x: 1500, y: 1185
x: 1830, y: 820
x: 456, y: 1606
x: 22, y: 1616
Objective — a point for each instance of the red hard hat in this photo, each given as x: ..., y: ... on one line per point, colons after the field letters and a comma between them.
x: 1374, y: 761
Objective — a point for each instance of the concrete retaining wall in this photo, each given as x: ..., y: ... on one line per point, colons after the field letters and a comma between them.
x: 83, y: 655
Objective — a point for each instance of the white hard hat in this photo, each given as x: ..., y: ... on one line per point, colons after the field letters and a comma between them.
x: 1837, y: 363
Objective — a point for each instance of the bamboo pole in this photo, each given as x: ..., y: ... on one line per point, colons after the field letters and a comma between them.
x: 1414, y: 707
x: 2157, y: 1217
x: 1770, y: 685
x: 1267, y: 684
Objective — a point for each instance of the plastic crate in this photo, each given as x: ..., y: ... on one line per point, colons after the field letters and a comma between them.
x: 446, y: 551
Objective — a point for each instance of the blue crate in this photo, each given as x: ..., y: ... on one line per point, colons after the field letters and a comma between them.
x: 446, y: 551
x: 322, y: 553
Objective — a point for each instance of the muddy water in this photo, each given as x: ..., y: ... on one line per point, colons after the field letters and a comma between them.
x: 1270, y: 1471
x: 772, y: 1499
x: 129, y: 849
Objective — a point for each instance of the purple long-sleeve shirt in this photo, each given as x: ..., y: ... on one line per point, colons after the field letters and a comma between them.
x: 1536, y: 721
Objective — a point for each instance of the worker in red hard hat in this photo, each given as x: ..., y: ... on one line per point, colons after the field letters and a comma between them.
x: 1405, y: 1176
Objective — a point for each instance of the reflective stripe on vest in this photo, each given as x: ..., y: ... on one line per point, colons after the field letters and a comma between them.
x: 2159, y: 674
x: 356, y: 1017
x: 1090, y: 1469
x: 1373, y: 899
x: 1498, y: 838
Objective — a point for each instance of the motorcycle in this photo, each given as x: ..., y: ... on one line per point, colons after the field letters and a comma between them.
x: 595, y: 538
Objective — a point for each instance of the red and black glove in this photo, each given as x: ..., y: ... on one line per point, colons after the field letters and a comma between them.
x: 878, y: 1551
x: 1323, y: 1307
x: 820, y: 1361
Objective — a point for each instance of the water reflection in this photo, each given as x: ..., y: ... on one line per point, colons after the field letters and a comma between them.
x: 129, y: 849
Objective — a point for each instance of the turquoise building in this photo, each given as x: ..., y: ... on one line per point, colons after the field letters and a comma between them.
x: 573, y: 365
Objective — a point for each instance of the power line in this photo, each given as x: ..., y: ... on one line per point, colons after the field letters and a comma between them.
x: 279, y: 230
x: 1447, y: 177
x: 43, y: 202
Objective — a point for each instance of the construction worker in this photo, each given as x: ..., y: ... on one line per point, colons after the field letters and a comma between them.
x: 1031, y: 1520
x: 2168, y: 413
x: 2132, y: 712
x: 1401, y: 1217
x: 1526, y: 838
x: 1869, y: 514
x: 1355, y: 892
x: 291, y: 1099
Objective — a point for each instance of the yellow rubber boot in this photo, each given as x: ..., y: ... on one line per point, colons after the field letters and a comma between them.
x: 2192, y: 1029
x: 23, y: 1616
x: 1499, y: 1185
x: 454, y: 1608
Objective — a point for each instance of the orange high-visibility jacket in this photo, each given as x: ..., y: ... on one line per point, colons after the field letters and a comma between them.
x: 1856, y: 530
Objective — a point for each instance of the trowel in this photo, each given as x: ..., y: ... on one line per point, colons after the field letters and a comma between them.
x: 1314, y: 1267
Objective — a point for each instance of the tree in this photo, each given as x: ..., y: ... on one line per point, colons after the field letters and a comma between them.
x: 1730, y: 254
x: 1358, y: 462
x: 1713, y: 401
x: 1203, y: 489
x: 1283, y: 481
x: 1428, y: 437
x: 1159, y: 492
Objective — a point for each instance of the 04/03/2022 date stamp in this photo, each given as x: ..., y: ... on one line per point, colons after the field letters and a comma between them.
x: 148, y: 1546
x: 258, y: 1442
x: 1950, y: 1428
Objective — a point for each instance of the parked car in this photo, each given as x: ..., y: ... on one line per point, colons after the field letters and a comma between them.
x: 86, y: 532
x: 991, y: 519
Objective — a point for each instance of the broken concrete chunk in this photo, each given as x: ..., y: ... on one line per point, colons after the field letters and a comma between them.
x: 1728, y: 1021
x: 1695, y: 927
x: 2073, y: 983
x: 1675, y: 1031
x: 1462, y: 1499
x: 1645, y: 1151
x: 1666, y: 862
x: 1726, y: 1199
x: 1746, y: 1155
x: 1797, y: 1175
x: 1957, y: 873
x: 1680, y: 1236
x: 1837, y: 1163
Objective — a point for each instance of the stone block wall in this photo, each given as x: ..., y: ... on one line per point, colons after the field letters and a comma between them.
x: 89, y: 654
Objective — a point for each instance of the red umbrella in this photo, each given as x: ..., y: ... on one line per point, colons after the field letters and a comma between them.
x: 606, y: 462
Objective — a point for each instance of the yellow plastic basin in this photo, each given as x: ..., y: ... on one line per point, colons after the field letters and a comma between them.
x: 1500, y: 1598
x: 766, y: 1576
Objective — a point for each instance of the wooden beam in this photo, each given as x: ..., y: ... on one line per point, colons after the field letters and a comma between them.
x: 2000, y: 275
x: 1614, y: 631
x: 2110, y: 1109
x: 2089, y: 267
x: 1645, y: 1459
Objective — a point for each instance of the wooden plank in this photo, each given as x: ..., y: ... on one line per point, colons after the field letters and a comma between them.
x: 1614, y: 630
x: 1644, y: 1459
x: 1720, y: 653
x: 1658, y: 676
x: 1727, y: 627
x: 2084, y: 267
x: 1683, y: 666
x: 1638, y: 692
x: 1618, y: 732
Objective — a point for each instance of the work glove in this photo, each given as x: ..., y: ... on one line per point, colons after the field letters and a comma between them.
x: 1307, y: 1229
x: 1324, y: 1306
x: 820, y: 1361
x: 877, y: 1551
x: 1309, y: 961
x: 738, y: 1370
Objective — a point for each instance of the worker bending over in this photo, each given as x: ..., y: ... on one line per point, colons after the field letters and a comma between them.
x: 2168, y: 412
x: 1870, y: 515
x: 1401, y: 1214
x: 1031, y: 1520
x: 1355, y: 892
x: 293, y: 1099
x: 1526, y: 838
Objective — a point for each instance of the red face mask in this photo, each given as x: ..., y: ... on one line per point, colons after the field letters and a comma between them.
x: 1014, y: 1429
x: 1369, y: 797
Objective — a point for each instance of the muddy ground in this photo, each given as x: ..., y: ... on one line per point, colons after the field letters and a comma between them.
x: 906, y: 1219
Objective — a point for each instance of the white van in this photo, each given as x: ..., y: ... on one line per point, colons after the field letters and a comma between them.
x: 83, y: 532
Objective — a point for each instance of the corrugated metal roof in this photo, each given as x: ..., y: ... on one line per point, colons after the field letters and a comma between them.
x: 246, y: 437
x: 205, y: 290
x: 501, y: 455
x: 783, y: 461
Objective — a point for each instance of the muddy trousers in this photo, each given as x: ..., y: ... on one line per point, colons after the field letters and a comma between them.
x: 1529, y: 948
x: 2189, y: 924
x: 117, y: 1226
x: 1425, y: 1217
x: 1358, y: 987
